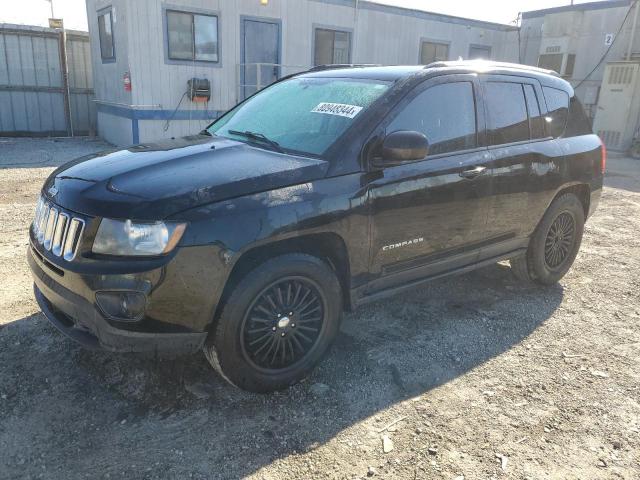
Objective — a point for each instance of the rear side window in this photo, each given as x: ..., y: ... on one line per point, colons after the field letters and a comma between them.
x: 445, y: 114
x: 578, y: 122
x: 536, y: 125
x: 558, y: 107
x: 507, y: 113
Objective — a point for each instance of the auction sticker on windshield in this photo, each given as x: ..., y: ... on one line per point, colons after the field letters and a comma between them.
x: 339, y: 109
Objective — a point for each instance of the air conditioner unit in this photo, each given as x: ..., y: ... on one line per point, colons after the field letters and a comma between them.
x: 618, y: 109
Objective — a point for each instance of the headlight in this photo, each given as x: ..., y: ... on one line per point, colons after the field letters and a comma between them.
x: 116, y: 237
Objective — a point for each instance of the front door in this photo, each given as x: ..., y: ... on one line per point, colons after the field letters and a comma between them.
x: 429, y: 216
x: 260, y: 43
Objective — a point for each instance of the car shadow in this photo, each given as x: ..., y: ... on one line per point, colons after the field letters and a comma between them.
x: 177, y: 418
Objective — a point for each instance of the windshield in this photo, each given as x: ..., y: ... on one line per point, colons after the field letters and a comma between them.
x: 301, y: 115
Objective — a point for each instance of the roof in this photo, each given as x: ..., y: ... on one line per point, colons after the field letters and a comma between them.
x: 14, y: 28
x: 577, y: 7
x: 389, y: 73
x: 377, y: 5
x: 397, y: 72
x: 417, y: 73
x: 488, y: 65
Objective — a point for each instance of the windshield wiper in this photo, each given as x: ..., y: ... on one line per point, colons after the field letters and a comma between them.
x: 258, y: 137
x: 206, y: 132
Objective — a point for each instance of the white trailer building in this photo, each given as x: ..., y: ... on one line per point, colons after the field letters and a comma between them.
x: 145, y: 51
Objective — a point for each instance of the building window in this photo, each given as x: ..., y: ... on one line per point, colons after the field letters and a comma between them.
x: 105, y: 31
x: 551, y: 61
x: 332, y: 47
x: 569, y: 66
x: 192, y: 36
x: 479, y: 52
x: 433, y: 52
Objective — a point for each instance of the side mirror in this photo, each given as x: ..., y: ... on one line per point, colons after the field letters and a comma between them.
x: 402, y: 146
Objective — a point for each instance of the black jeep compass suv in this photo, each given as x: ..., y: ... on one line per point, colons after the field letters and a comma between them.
x: 325, y: 190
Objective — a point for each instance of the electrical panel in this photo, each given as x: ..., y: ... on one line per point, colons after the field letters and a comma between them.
x: 199, y: 89
x: 618, y: 109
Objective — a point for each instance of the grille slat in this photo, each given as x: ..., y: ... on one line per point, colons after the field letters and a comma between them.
x: 57, y: 231
x: 51, y: 225
x: 58, y: 235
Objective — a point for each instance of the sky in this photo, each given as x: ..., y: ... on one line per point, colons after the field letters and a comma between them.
x: 37, y: 12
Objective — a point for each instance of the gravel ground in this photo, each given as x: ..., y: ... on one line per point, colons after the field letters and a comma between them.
x: 474, y: 377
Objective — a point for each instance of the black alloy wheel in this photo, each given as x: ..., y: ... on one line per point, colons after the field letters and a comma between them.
x: 282, y: 325
x: 560, y: 240
x: 277, y: 323
x: 554, y: 244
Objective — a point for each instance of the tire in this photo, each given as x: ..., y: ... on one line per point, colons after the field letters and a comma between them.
x: 554, y: 244
x: 248, y: 331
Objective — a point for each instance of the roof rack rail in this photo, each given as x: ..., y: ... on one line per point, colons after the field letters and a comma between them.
x: 337, y: 66
x: 491, y: 64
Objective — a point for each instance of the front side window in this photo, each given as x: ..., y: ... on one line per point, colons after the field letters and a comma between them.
x: 192, y: 36
x: 332, y: 47
x: 433, y: 52
x: 558, y: 107
x: 507, y: 113
x: 445, y: 114
x: 105, y: 33
x: 303, y: 115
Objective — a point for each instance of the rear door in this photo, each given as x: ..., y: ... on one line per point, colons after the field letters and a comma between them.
x: 429, y: 216
x: 521, y: 152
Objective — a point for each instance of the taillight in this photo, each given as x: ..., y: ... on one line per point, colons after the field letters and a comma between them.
x: 603, y: 159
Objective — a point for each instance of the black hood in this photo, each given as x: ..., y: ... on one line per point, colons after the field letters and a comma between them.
x: 154, y: 181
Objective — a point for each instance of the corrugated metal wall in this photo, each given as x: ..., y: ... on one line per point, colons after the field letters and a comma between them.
x: 32, y: 93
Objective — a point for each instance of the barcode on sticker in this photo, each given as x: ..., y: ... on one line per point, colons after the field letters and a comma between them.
x: 339, y: 109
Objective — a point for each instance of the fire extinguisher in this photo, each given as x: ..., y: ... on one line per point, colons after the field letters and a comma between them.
x: 126, y: 78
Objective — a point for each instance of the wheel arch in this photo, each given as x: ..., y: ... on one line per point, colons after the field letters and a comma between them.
x: 328, y: 246
x: 580, y: 190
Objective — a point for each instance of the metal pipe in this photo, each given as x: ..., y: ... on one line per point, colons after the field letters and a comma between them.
x: 64, y: 68
x: 633, y: 31
x: 120, y: 104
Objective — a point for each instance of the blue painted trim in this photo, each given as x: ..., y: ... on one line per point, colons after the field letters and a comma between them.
x: 143, y: 114
x: 577, y: 7
x: 116, y: 110
x: 135, y: 132
x: 342, y: 3
x: 135, y: 115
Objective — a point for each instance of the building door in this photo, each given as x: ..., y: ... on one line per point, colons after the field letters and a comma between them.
x: 260, y: 57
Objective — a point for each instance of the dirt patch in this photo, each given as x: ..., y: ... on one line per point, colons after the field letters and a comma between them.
x: 476, y: 376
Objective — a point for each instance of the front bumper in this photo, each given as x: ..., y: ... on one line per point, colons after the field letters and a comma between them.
x: 82, y: 321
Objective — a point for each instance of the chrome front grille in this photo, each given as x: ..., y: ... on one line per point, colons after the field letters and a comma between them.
x: 57, y: 231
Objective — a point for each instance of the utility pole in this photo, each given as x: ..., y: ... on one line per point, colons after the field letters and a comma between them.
x: 633, y: 31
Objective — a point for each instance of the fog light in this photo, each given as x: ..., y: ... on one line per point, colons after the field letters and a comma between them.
x: 122, y: 306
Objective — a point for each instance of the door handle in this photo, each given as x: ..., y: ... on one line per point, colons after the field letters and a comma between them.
x: 473, y: 173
